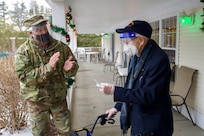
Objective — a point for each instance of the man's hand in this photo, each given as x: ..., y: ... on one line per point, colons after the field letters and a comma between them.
x: 69, y: 64
x: 54, y: 59
x: 106, y: 88
x: 111, y: 113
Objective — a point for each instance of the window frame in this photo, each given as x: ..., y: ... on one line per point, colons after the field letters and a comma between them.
x: 172, y: 49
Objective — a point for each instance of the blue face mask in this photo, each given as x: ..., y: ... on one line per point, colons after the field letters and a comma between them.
x: 45, y: 38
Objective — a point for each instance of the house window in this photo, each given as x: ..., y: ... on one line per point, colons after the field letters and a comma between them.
x: 168, y: 37
x: 155, y: 31
x: 169, y: 32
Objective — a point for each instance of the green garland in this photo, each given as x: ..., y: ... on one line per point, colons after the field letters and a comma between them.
x: 56, y: 28
x: 72, y: 25
x: 69, y: 18
x: 69, y: 81
x: 59, y: 30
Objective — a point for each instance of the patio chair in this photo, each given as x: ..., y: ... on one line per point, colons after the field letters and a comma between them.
x: 81, y: 54
x: 173, y: 73
x: 182, y: 87
x: 115, y: 72
x: 121, y: 76
x: 111, y: 64
x: 173, y: 69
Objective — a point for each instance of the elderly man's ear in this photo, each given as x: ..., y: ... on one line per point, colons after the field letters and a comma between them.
x: 142, y: 40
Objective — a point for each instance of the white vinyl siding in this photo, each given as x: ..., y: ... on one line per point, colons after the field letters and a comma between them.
x: 191, y: 54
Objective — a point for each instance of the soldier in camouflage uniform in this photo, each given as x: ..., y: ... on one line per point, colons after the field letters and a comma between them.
x: 42, y: 63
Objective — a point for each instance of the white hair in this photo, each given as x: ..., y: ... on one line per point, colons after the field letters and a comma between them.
x: 143, y: 36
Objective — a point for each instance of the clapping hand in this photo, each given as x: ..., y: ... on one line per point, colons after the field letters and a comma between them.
x: 69, y: 64
x: 54, y: 59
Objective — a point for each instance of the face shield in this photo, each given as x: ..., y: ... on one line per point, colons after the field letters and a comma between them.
x: 128, y: 45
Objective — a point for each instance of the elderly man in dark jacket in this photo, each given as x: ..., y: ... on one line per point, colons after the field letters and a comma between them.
x: 145, y: 95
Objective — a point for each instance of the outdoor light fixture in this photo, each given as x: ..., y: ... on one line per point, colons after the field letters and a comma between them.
x: 185, y: 19
x: 105, y: 34
x: 202, y: 24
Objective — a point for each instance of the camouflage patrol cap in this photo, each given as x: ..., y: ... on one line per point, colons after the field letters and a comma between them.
x: 34, y: 20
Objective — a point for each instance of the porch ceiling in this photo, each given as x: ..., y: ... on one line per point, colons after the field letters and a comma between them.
x: 104, y: 16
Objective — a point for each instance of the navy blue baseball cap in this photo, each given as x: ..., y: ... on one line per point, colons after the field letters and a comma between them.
x: 137, y: 26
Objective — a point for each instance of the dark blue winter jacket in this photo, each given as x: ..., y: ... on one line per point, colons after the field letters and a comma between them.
x: 149, y: 98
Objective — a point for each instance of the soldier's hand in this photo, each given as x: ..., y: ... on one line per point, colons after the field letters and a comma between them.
x: 54, y: 59
x: 69, y: 64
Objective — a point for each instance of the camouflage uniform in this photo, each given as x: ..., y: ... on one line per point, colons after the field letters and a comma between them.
x: 44, y: 87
